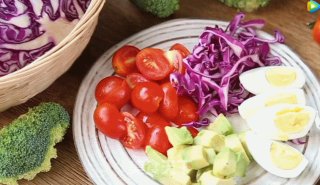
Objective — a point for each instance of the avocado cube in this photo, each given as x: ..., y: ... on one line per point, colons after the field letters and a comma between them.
x: 201, y: 171
x: 175, y: 177
x: 210, y: 139
x: 242, y: 137
x: 176, y: 160
x: 158, y: 165
x: 211, y: 154
x: 242, y: 165
x: 155, y: 155
x: 208, y: 178
x: 233, y: 142
x: 195, y: 157
x: 225, y: 164
x: 179, y: 136
x: 221, y: 125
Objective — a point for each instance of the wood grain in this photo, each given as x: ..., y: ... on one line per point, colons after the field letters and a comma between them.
x: 120, y: 19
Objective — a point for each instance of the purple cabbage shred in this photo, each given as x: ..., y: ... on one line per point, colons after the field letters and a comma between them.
x: 213, y: 68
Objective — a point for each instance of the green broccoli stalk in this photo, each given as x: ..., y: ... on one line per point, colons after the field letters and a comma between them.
x: 246, y: 5
x: 160, y: 8
x: 27, y: 145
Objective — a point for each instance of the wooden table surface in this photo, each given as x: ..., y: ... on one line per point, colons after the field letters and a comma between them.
x: 118, y: 20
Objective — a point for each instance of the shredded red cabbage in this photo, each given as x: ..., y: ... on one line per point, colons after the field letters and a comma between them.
x: 299, y: 141
x: 213, y: 68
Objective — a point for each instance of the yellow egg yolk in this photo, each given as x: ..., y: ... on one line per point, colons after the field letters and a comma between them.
x: 288, y: 98
x: 285, y: 157
x: 281, y: 76
x: 292, y: 120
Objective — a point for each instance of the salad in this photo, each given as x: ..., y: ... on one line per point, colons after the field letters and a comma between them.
x: 160, y: 101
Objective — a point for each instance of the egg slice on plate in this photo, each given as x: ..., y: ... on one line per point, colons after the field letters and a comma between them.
x: 283, y: 122
x: 275, y: 157
x: 265, y: 79
x: 289, y: 96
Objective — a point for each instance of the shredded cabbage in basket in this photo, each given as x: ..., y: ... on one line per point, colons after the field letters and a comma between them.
x: 213, y: 68
x: 30, y: 28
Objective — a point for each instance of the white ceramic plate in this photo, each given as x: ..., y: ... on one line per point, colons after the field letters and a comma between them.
x: 107, y: 162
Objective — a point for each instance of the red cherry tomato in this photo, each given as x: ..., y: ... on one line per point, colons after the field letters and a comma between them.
x: 176, y: 61
x: 109, y: 121
x: 157, y: 138
x: 152, y: 64
x: 113, y: 90
x: 136, y: 132
x: 316, y: 31
x: 187, y: 111
x: 146, y: 97
x: 169, y: 106
x: 152, y: 119
x: 134, y: 78
x: 124, y: 60
x: 194, y: 132
x: 182, y: 49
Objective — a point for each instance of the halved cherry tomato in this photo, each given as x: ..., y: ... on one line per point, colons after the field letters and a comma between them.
x: 176, y: 61
x: 124, y: 60
x: 134, y: 78
x: 169, y: 106
x: 157, y: 138
x: 146, y: 96
x: 113, y: 90
x: 109, y: 121
x: 152, y: 64
x: 316, y: 31
x: 136, y: 132
x: 194, y: 132
x: 152, y: 119
x: 182, y: 49
x: 187, y: 111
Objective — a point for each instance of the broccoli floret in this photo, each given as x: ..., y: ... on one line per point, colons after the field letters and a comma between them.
x: 160, y: 8
x: 246, y: 5
x: 27, y: 144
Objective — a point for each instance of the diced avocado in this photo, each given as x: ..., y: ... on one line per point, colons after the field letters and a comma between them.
x: 242, y: 165
x: 179, y: 136
x: 208, y: 138
x: 208, y: 178
x: 242, y: 137
x: 201, y: 171
x: 225, y: 163
x: 233, y: 142
x: 211, y: 154
x: 195, y: 157
x: 175, y: 177
x: 155, y: 155
x: 176, y: 160
x: 158, y: 165
x: 221, y: 125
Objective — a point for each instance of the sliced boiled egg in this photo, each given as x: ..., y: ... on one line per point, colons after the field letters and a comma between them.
x: 288, y: 96
x: 283, y: 122
x: 265, y: 79
x: 275, y: 157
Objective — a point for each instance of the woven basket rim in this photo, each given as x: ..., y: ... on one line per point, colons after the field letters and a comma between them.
x: 91, y: 13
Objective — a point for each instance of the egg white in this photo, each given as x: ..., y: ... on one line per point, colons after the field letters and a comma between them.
x: 263, y: 122
x: 260, y: 150
x: 255, y: 80
x: 250, y: 106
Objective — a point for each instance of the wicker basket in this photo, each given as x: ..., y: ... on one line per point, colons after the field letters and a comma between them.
x: 20, y: 86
